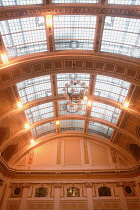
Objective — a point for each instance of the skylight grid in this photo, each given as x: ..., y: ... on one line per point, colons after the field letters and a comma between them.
x: 128, y: 2
x: 34, y: 88
x: 66, y: 109
x: 100, y: 129
x: 71, y: 125
x: 74, y: 1
x: 122, y: 36
x: 19, y: 2
x: 24, y: 36
x: 63, y: 79
x: 105, y: 112
x: 111, y: 88
x: 43, y: 130
x: 39, y: 112
x: 74, y: 32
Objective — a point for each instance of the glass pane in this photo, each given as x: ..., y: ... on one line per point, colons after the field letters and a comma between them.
x: 74, y: 1
x: 39, y: 112
x: 44, y: 129
x: 66, y: 109
x: 41, y: 192
x: 24, y: 36
x: 73, y: 192
x: 34, y: 88
x: 128, y: 2
x: 105, y: 112
x: 74, y: 32
x: 71, y: 125
x: 122, y: 36
x: 100, y: 129
x: 110, y: 87
x: 19, y: 2
x: 63, y: 79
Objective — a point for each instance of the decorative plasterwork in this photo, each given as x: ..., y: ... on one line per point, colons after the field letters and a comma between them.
x: 18, y: 13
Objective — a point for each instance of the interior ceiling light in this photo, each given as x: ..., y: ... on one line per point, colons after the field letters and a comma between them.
x: 4, y: 58
x: 126, y: 104
x: 27, y: 126
x: 19, y: 105
x: 57, y: 122
x: 75, y: 91
x: 32, y: 141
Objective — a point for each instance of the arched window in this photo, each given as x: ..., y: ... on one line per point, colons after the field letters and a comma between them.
x: 73, y: 192
x: 41, y: 192
x: 104, y: 191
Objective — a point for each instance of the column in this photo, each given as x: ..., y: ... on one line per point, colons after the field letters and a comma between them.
x: 24, y: 196
x: 89, y: 195
x: 57, y: 190
x: 122, y: 195
x: 6, y: 192
x: 137, y: 187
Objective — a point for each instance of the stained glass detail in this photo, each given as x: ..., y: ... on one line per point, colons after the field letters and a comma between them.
x: 74, y: 32
x: 62, y: 79
x: 127, y: 2
x: 105, y: 112
x: 122, y: 36
x: 39, y: 112
x: 44, y: 129
x: 24, y: 36
x: 112, y: 88
x: 74, y: 1
x: 19, y: 2
x: 34, y: 88
x: 73, y: 192
x: 66, y: 109
x: 100, y: 129
x: 71, y: 125
x: 41, y: 192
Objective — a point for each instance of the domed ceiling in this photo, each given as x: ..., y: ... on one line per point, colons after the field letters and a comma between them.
x: 45, y: 46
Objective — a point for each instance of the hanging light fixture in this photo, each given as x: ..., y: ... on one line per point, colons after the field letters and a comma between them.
x: 75, y: 91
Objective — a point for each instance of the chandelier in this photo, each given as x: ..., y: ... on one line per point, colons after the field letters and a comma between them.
x: 75, y: 91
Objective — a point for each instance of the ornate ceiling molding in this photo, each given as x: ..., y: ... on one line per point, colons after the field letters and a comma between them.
x: 62, y: 10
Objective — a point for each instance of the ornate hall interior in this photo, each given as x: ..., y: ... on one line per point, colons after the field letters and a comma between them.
x: 70, y: 104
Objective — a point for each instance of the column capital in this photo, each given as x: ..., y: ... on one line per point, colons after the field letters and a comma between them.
x: 119, y: 184
x: 57, y: 185
x: 26, y: 185
x: 88, y: 184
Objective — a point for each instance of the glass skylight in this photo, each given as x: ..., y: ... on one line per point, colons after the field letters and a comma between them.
x: 19, y: 2
x: 128, y: 2
x: 24, y: 36
x: 74, y: 32
x: 105, y: 112
x: 65, y: 109
x: 71, y: 125
x: 110, y: 87
x: 74, y: 1
x: 122, y: 36
x: 100, y: 129
x: 43, y: 129
x: 62, y: 79
x: 34, y: 88
x: 39, y: 112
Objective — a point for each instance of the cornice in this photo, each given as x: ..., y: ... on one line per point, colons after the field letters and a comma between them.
x: 14, y: 12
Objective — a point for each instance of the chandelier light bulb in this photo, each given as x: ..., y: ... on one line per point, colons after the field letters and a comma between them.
x: 82, y: 91
x: 27, y: 126
x: 126, y: 104
x: 66, y: 85
x: 78, y: 81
